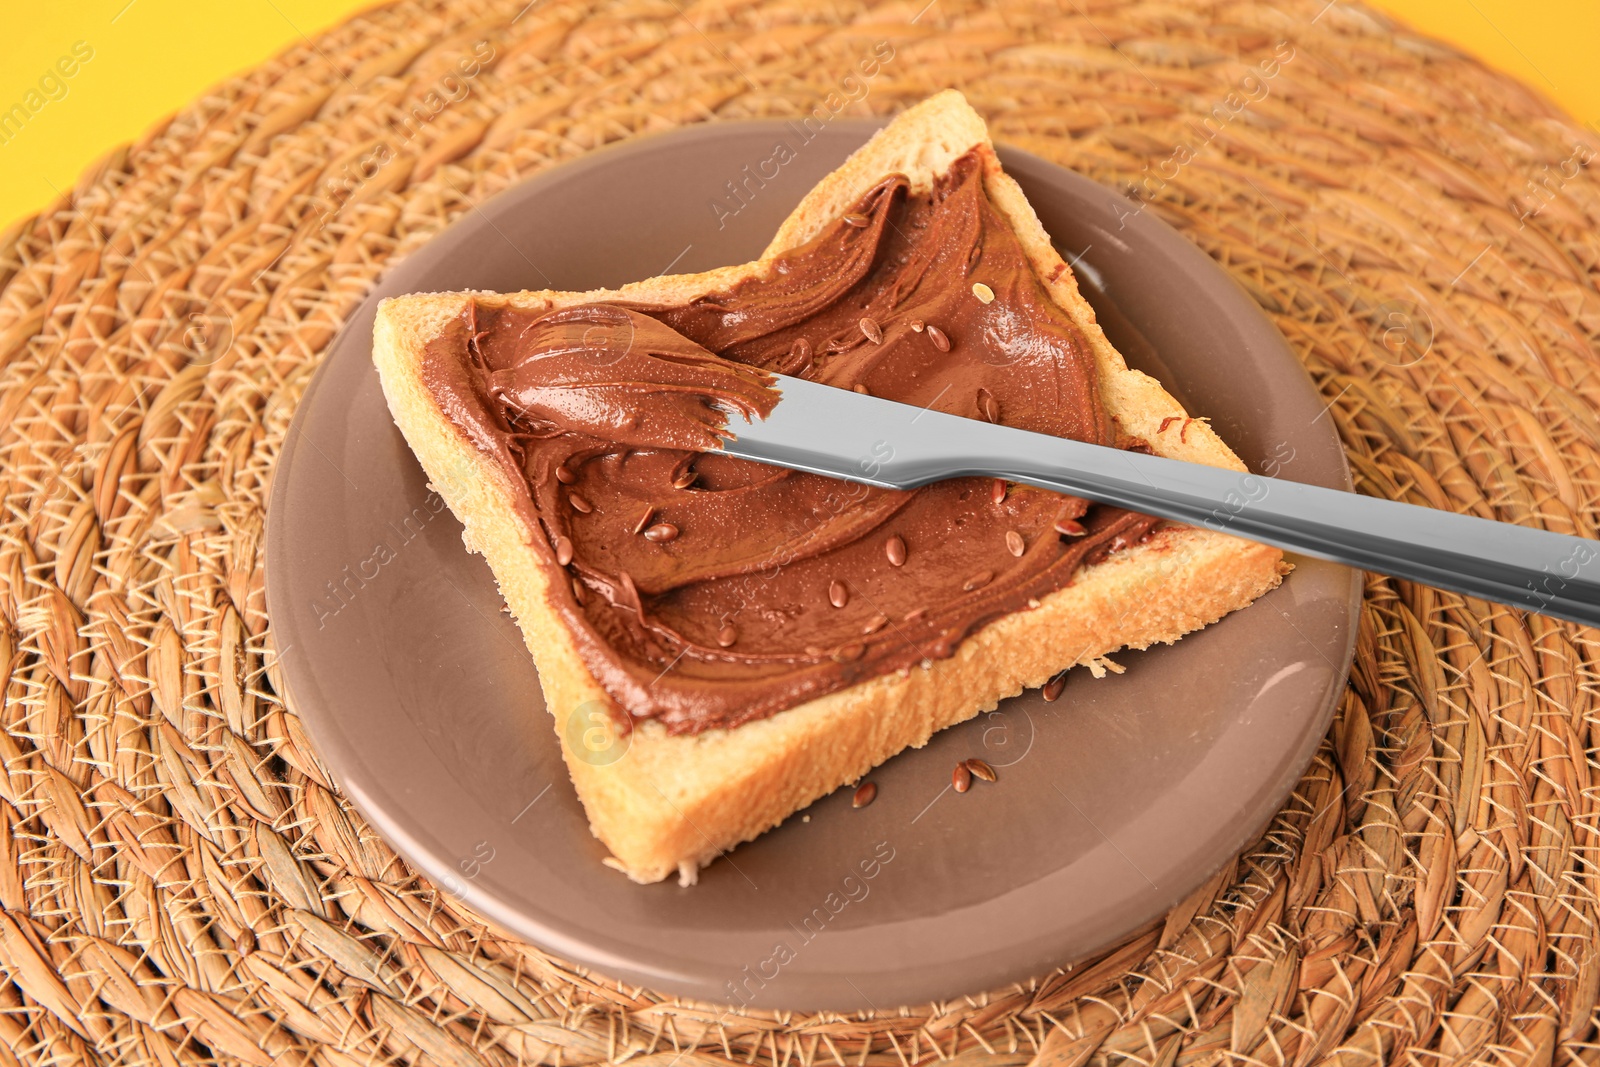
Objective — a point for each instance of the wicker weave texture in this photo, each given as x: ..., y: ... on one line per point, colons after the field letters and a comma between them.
x: 182, y: 883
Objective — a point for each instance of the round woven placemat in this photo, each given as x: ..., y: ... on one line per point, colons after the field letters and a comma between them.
x: 182, y: 882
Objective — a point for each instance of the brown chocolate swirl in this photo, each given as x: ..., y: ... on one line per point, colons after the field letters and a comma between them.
x: 620, y: 376
x: 758, y: 588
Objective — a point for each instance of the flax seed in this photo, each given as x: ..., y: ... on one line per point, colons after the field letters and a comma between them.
x: 988, y: 406
x: 977, y: 581
x: 874, y: 624
x: 685, y: 479
x: 1070, y: 528
x: 1014, y: 543
x: 563, y: 547
x: 984, y: 294
x: 565, y: 476
x: 917, y: 325
x: 849, y: 653
x: 980, y: 769
x: 857, y: 220
x: 1052, y: 689
x: 661, y: 533
x: 727, y: 635
x: 895, y: 549
x: 644, y: 520
x: 579, y: 504
x: 872, y: 330
x: 860, y: 389
x: 997, y: 491
x: 866, y: 793
x: 578, y: 592
x: 838, y: 595
x: 940, y: 341
x: 961, y: 778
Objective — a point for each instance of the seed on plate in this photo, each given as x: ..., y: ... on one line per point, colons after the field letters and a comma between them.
x: 644, y: 520
x: 961, y: 778
x: 563, y: 548
x: 857, y: 220
x: 1014, y: 543
x: 917, y: 325
x: 579, y: 504
x: 661, y: 533
x: 578, y: 593
x: 861, y: 389
x: 977, y: 581
x: 980, y: 769
x: 1070, y: 527
x: 997, y: 491
x: 838, y: 595
x: 727, y: 635
x: 873, y: 331
x: 940, y: 341
x: 849, y: 653
x: 988, y: 406
x: 895, y: 549
x: 866, y: 792
x: 685, y: 479
x: 984, y: 294
x: 1052, y: 688
x: 874, y: 624
x: 565, y: 476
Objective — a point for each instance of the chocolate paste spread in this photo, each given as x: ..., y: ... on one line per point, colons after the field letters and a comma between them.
x: 706, y: 591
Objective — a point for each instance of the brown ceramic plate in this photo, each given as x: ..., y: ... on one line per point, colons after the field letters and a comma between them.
x: 1113, y: 802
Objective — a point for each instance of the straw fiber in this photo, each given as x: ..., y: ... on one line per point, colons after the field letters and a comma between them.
x: 182, y: 884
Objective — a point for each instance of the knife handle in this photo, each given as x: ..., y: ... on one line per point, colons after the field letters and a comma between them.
x: 1549, y: 573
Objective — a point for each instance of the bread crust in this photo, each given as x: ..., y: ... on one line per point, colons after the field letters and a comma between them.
x: 672, y: 803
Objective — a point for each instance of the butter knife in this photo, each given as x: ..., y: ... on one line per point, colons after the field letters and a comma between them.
x: 847, y: 435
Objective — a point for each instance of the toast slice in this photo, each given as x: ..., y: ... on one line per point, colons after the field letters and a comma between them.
x: 665, y: 803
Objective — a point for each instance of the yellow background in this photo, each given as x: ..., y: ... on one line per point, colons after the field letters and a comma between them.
x: 153, y: 56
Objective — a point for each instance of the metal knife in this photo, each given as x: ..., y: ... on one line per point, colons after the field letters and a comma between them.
x: 844, y: 434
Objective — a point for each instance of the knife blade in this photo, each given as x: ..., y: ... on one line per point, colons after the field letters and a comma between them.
x: 843, y: 434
